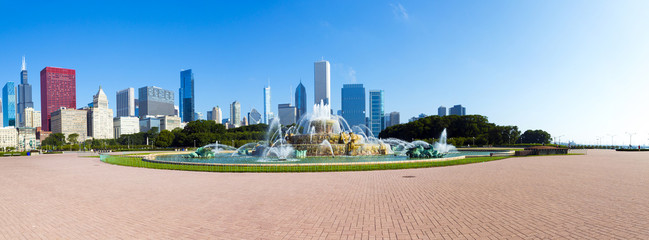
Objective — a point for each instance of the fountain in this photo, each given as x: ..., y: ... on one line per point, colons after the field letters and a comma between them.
x: 328, y: 136
x: 210, y: 150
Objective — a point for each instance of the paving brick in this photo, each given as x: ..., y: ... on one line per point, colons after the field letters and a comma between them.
x: 600, y: 195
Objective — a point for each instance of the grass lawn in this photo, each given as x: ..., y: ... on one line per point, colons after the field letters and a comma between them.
x: 138, y: 162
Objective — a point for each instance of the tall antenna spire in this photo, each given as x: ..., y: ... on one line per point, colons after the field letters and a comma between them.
x: 24, y: 65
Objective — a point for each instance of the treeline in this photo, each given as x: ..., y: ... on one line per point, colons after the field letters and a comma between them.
x: 464, y: 130
x: 196, y: 133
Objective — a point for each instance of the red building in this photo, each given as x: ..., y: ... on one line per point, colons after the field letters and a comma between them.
x: 58, y: 89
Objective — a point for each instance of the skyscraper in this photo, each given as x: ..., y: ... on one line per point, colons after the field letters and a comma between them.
x: 267, y: 104
x: 457, y: 110
x: 100, y: 117
x: 9, y: 105
x: 216, y: 115
x: 186, y: 95
x: 287, y: 114
x: 58, y: 89
x: 24, y: 94
x: 300, y: 100
x: 377, y: 122
x: 353, y: 104
x: 155, y: 101
x: 441, y: 111
x: 394, y: 119
x: 254, y: 117
x: 321, y: 82
x: 235, y: 113
x: 126, y: 103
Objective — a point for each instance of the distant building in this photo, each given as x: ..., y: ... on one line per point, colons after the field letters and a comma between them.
x: 254, y: 117
x: 377, y: 122
x: 386, y: 120
x: 457, y: 110
x: 421, y: 115
x: 58, y: 89
x: 69, y: 121
x: 215, y: 115
x: 137, y: 107
x: 42, y: 135
x: 24, y: 95
x: 235, y: 113
x: 244, y: 121
x: 198, y: 116
x: 441, y: 111
x: 300, y: 101
x: 169, y: 122
x: 287, y: 114
x: 392, y: 119
x: 321, y: 82
x: 126, y: 103
x: 155, y: 101
x: 149, y: 122
x: 353, y: 104
x: 186, y: 96
x: 31, y: 118
x: 8, y: 138
x: 27, y: 139
x: 100, y: 117
x: 267, y: 109
x: 125, y: 125
x: 9, y: 105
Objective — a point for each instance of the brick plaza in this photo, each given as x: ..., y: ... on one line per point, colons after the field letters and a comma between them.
x: 604, y: 194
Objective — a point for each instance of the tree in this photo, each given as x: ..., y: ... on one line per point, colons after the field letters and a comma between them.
x: 535, y: 136
x: 164, y: 139
x: 72, y: 138
x: 55, y: 139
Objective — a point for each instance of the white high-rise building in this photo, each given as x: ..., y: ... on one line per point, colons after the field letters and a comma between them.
x: 216, y: 115
x: 322, y: 82
x: 126, y: 103
x: 235, y: 113
x: 126, y: 125
x: 267, y: 111
x: 100, y: 117
x: 32, y: 118
x: 169, y: 122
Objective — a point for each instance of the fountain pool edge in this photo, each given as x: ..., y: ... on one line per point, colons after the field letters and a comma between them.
x: 312, y: 167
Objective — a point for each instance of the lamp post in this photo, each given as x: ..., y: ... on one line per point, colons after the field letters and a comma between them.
x: 612, y: 145
x: 630, y: 135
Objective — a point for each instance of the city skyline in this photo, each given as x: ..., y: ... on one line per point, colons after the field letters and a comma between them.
x: 511, y: 62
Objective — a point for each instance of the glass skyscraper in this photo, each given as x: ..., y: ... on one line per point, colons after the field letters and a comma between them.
x: 186, y: 94
x: 377, y: 122
x: 9, y: 105
x: 457, y: 110
x: 300, y: 100
x: 353, y: 104
x: 267, y: 112
x: 24, y: 95
x: 441, y: 111
x: 235, y: 113
x: 155, y: 101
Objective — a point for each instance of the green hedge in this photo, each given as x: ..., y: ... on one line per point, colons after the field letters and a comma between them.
x: 138, y: 162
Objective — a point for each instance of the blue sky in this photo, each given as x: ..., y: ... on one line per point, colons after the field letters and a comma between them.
x: 573, y: 68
